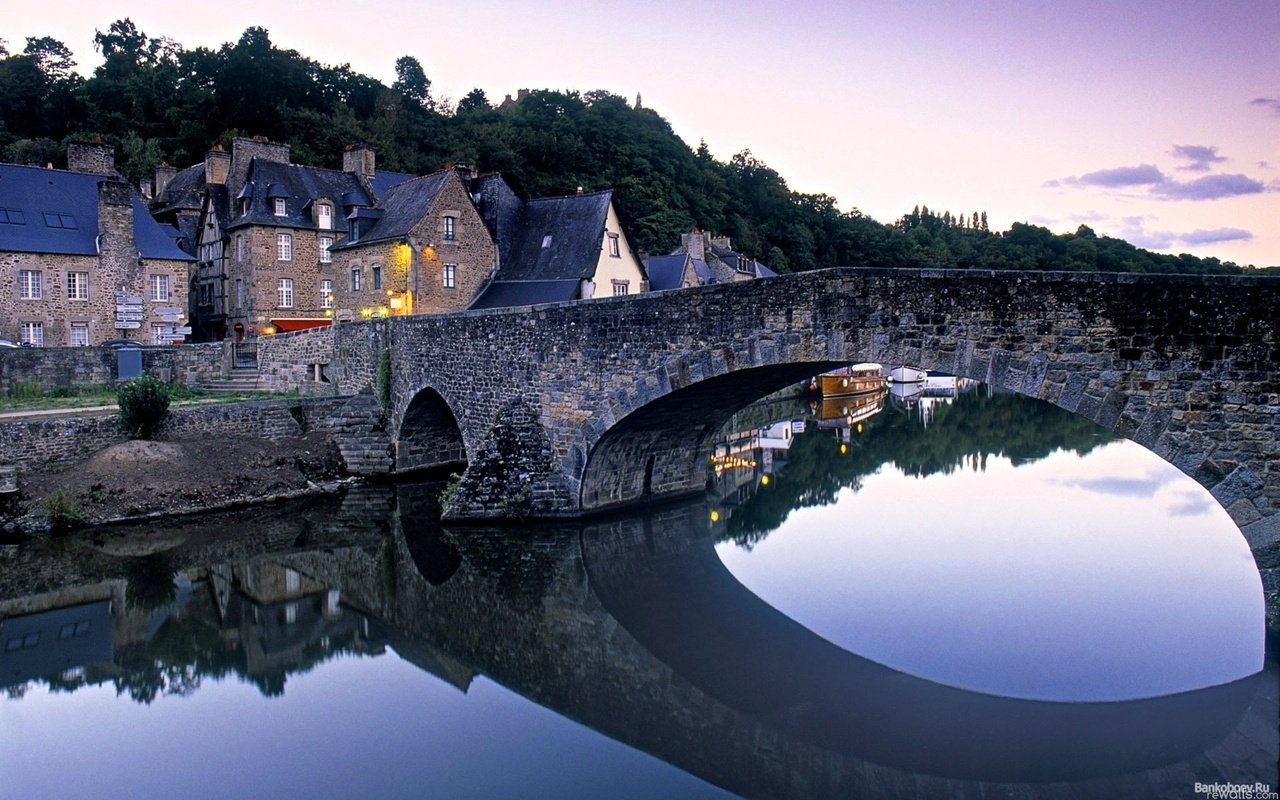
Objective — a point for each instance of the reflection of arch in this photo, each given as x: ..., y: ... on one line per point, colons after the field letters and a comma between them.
x: 429, y: 434
x: 675, y: 597
x: 658, y: 449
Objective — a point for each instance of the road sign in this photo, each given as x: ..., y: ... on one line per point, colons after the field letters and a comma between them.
x: 185, y: 330
x: 129, y: 318
x: 121, y: 325
x: 166, y: 310
x: 122, y: 300
x: 171, y: 317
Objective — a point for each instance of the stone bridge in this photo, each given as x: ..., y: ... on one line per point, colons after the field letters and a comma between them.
x: 573, y: 408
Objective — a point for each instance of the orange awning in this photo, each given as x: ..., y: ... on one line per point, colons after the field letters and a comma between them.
x: 289, y: 324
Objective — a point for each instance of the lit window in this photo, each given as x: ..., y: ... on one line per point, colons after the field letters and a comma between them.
x: 355, y: 279
x: 326, y: 294
x: 324, y: 217
x: 77, y: 286
x: 158, y: 287
x: 284, y: 247
x: 621, y: 287
x: 30, y: 284
x: 33, y: 333
x: 79, y: 334
x: 377, y: 277
x: 325, y: 243
x: 448, y: 229
x: 279, y: 207
x: 450, y: 276
x: 614, y: 249
x: 284, y: 293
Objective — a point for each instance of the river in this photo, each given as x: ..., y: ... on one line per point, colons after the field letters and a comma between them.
x: 959, y: 595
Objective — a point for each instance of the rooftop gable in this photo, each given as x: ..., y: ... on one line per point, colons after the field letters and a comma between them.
x: 556, y: 238
x: 402, y: 207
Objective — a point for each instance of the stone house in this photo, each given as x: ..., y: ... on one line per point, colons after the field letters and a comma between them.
x: 424, y: 248
x: 81, y: 260
x: 703, y: 259
x: 553, y: 249
x: 264, y: 233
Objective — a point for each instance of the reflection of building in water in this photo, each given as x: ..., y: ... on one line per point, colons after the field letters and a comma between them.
x: 260, y: 620
x: 744, y: 460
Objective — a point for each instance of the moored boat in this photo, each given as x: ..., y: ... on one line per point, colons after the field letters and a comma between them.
x: 855, y: 379
x: 905, y: 374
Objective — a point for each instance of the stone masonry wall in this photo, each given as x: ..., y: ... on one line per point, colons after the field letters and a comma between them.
x: 60, y: 367
x: 56, y: 442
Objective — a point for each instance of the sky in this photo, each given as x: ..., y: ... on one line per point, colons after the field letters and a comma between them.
x: 1157, y: 122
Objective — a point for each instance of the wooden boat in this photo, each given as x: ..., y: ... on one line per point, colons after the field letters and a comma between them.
x: 845, y: 412
x: 855, y: 379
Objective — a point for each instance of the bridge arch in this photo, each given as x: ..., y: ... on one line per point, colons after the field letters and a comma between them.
x: 429, y: 434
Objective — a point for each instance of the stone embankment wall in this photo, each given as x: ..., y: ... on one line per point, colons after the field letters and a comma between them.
x: 60, y: 441
x: 58, y: 367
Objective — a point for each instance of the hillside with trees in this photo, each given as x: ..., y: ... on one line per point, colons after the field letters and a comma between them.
x: 160, y: 102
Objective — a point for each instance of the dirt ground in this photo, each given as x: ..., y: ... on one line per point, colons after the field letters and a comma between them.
x: 140, y: 478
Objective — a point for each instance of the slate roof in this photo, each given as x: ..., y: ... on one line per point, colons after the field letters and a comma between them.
x: 383, y: 181
x: 666, y: 272
x: 301, y: 186
x: 575, y: 224
x: 503, y: 294
x: 182, y: 192
x: 56, y: 211
x: 402, y: 207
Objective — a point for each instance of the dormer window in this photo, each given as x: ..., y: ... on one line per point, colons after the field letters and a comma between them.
x: 743, y: 264
x: 324, y: 217
x: 449, y: 233
x: 244, y: 206
x: 279, y: 207
x: 546, y: 240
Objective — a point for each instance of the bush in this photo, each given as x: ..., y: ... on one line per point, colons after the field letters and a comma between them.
x: 61, y: 510
x: 144, y: 404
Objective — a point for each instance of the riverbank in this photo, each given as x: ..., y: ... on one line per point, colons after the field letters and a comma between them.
x: 142, y: 479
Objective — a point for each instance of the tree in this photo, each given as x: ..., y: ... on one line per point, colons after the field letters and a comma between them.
x: 52, y: 58
x: 412, y: 82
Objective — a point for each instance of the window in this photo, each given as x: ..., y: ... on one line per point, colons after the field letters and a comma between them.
x: 292, y: 580
x: 284, y: 293
x: 450, y: 276
x: 279, y: 207
x: 239, y: 293
x: 33, y: 334
x: 614, y: 250
x: 79, y: 334
x: 284, y: 247
x: 449, y: 234
x: 158, y: 287
x: 325, y: 243
x: 546, y: 240
x: 326, y: 294
x: 12, y: 216
x: 77, y: 286
x: 239, y: 247
x: 621, y: 287
x: 355, y: 279
x: 244, y: 205
x: 377, y: 276
x: 324, y: 217
x: 30, y: 284
x: 56, y: 219
x: 160, y: 333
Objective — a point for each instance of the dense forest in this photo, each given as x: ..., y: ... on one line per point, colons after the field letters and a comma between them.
x: 160, y: 102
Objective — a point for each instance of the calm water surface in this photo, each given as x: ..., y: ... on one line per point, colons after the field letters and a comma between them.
x: 951, y: 597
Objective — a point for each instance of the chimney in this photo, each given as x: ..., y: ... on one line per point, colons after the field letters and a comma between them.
x: 244, y: 151
x: 117, y: 253
x: 217, y: 166
x: 164, y: 174
x: 95, y: 158
x: 695, y: 244
x: 359, y: 159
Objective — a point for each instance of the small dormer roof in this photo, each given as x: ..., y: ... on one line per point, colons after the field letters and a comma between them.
x: 275, y: 191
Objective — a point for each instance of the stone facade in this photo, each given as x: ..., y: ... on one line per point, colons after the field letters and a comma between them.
x: 60, y: 367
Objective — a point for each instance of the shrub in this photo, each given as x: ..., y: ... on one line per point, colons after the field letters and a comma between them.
x: 144, y: 404
x: 61, y: 510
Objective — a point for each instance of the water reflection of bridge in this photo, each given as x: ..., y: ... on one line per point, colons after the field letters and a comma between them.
x: 633, y: 627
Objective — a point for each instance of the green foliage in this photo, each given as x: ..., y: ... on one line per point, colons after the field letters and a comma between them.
x: 144, y: 405
x: 157, y: 100
x: 25, y: 390
x: 61, y: 510
x: 383, y: 379
x: 449, y: 491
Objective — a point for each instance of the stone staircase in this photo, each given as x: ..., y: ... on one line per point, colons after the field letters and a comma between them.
x: 241, y: 379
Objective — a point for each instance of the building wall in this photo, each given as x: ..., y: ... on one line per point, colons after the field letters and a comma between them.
x: 261, y: 271
x: 625, y: 267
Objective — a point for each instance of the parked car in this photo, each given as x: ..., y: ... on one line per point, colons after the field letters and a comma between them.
x: 119, y: 343
x: 8, y: 343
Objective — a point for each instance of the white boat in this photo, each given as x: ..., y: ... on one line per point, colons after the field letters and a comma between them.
x: 904, y: 374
